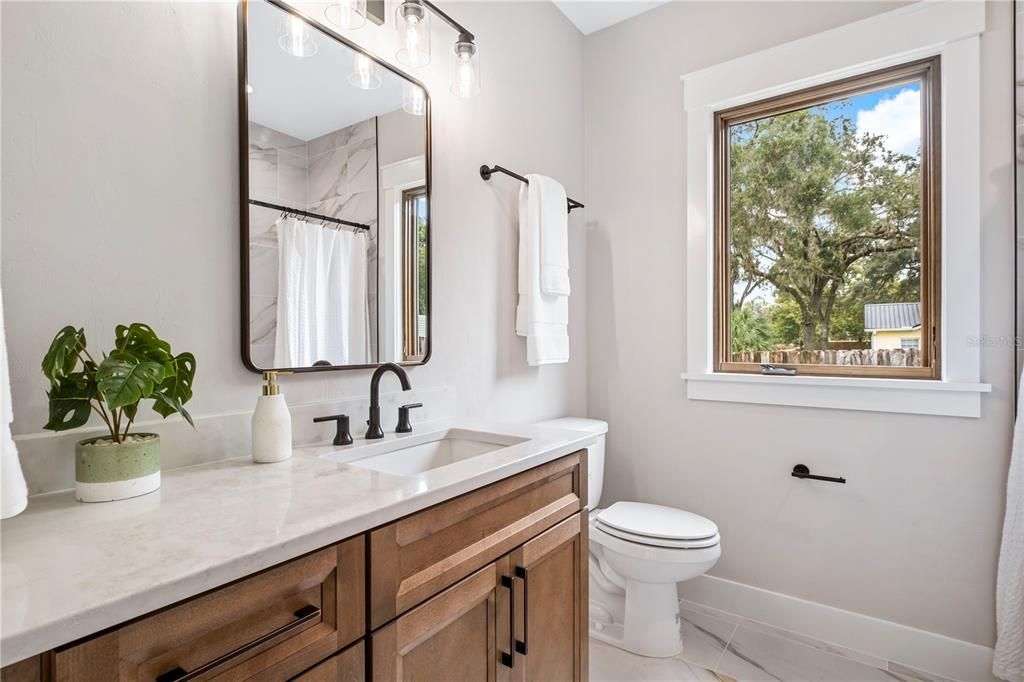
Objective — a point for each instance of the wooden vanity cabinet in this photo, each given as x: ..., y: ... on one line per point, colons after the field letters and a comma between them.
x: 519, y: 618
x: 488, y: 586
x: 270, y: 626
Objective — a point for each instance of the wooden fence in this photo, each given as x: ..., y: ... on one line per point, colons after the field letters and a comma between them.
x: 896, y: 357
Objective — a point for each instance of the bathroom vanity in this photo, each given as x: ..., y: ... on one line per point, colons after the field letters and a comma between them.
x: 472, y: 568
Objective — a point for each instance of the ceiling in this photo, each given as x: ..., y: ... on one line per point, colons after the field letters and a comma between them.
x: 306, y: 97
x: 593, y: 15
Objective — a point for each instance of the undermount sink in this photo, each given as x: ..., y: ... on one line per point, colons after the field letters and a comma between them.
x: 414, y: 455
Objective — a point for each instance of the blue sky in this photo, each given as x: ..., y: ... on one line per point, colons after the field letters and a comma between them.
x: 892, y: 112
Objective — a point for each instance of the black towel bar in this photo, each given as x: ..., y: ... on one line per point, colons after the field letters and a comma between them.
x: 487, y: 171
x: 801, y: 471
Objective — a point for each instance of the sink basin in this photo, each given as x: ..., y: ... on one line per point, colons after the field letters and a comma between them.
x: 411, y: 455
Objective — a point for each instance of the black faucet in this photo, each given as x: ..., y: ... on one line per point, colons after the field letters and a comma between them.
x: 375, y: 431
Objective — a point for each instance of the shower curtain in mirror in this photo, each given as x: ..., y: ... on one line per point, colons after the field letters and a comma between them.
x: 322, y: 312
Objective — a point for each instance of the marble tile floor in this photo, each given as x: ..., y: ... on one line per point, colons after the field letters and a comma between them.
x: 723, y: 648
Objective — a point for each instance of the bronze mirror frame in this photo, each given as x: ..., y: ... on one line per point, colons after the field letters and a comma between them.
x: 243, y: 174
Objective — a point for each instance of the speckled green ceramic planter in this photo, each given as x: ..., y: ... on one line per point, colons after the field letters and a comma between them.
x: 105, y: 471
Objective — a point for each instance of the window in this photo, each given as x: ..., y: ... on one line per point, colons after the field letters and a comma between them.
x: 414, y: 273
x: 826, y: 210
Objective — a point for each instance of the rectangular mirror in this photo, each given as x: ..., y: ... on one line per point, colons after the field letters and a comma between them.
x: 335, y: 183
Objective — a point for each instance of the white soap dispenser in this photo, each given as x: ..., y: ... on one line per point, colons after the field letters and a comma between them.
x: 271, y: 423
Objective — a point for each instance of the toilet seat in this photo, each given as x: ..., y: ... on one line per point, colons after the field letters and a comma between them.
x: 659, y: 542
x: 657, y: 526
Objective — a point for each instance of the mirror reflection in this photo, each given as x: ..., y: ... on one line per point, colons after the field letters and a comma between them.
x: 337, y: 273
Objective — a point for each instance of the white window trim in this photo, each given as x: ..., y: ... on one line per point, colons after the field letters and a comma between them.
x: 395, y: 179
x: 951, y: 29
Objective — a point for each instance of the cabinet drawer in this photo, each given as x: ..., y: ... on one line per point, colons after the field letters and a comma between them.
x: 348, y: 666
x: 270, y: 626
x: 422, y: 554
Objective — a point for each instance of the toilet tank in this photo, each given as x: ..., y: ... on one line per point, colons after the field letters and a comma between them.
x: 595, y: 452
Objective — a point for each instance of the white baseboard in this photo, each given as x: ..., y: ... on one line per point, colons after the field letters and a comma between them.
x: 926, y: 651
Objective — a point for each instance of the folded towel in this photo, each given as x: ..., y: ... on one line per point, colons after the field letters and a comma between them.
x: 542, y: 318
x: 548, y: 206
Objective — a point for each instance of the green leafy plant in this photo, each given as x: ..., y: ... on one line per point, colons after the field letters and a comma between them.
x: 140, y: 367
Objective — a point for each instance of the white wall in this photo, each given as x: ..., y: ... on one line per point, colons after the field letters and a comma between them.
x: 913, y: 536
x: 120, y: 199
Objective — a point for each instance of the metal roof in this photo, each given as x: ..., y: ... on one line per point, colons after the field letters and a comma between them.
x: 892, y: 316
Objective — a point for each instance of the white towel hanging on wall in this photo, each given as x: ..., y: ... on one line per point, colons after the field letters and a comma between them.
x: 541, y: 317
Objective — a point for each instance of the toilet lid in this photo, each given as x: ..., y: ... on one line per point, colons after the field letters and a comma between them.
x: 656, y: 521
x: 643, y: 540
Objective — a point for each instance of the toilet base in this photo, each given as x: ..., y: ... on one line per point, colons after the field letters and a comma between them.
x: 646, y: 622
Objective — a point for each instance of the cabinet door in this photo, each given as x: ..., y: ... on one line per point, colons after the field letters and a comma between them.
x: 551, y: 573
x: 458, y: 635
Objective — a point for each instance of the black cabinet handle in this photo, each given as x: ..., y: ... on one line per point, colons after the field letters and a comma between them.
x: 304, y: 615
x: 525, y: 576
x: 509, y: 659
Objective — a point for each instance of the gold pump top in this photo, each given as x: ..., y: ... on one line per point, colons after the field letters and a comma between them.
x: 271, y: 387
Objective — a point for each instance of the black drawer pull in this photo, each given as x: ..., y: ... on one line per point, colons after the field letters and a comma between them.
x: 304, y: 615
x: 509, y: 659
x: 525, y: 576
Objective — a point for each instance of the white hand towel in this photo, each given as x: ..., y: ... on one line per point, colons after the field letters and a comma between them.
x: 13, y: 491
x: 1008, y: 662
x: 542, y: 318
x: 551, y: 210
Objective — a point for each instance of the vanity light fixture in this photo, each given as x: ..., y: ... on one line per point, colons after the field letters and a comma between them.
x: 465, y: 67
x: 349, y: 14
x: 414, y: 50
x: 297, y: 39
x: 413, y: 100
x: 364, y: 73
x: 413, y: 22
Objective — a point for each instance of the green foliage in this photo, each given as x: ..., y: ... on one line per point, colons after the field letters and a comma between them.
x: 751, y: 330
x: 141, y: 367
x: 827, y: 217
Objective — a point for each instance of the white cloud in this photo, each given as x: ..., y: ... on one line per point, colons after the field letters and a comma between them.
x: 897, y: 118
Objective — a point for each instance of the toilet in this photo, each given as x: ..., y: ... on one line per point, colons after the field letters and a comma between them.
x: 638, y: 552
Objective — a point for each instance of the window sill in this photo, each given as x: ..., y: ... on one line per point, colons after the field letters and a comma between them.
x: 902, y: 396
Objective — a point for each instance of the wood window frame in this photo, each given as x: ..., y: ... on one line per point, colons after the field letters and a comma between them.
x: 410, y: 323
x: 924, y: 71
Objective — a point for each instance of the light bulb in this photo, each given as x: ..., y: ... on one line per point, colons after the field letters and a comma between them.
x: 248, y: 89
x: 465, y: 68
x: 414, y: 100
x: 414, y: 33
x: 347, y: 13
x: 297, y: 40
x: 364, y: 73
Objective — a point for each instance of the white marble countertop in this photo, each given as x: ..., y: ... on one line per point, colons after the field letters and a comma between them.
x: 70, y: 569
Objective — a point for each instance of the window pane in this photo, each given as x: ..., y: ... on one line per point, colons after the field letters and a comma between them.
x: 825, y: 225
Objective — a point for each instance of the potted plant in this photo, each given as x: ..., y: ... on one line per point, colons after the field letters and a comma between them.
x: 141, y: 367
